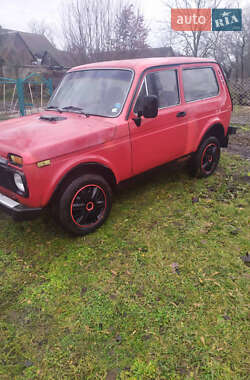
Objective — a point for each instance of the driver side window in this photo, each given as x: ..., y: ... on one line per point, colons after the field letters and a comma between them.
x: 163, y: 84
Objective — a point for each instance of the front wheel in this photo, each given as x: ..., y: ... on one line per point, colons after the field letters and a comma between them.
x: 205, y: 160
x: 84, y: 204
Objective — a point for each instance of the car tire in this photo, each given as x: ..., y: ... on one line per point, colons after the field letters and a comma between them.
x: 84, y: 204
x: 204, y: 162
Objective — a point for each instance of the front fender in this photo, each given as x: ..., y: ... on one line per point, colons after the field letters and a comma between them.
x: 61, y: 170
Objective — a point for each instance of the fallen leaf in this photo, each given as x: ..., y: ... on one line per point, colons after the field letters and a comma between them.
x: 146, y: 337
x: 175, y: 268
x: 112, y: 374
x: 213, y: 274
x: 234, y: 232
x: 83, y: 291
x: 118, y: 338
x: 195, y: 199
x: 139, y: 293
x: 28, y: 363
x: 246, y: 259
x: 172, y: 303
x: 87, y: 328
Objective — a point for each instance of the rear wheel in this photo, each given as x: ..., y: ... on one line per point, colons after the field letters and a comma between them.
x: 84, y: 204
x: 205, y: 160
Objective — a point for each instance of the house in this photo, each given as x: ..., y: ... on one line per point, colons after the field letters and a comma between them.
x: 23, y: 48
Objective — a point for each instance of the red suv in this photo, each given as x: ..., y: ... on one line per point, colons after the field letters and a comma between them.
x: 105, y: 123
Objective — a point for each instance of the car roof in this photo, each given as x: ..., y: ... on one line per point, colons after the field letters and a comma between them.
x: 143, y: 63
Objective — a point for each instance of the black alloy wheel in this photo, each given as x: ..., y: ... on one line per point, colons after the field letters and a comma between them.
x: 85, y: 204
x: 204, y: 162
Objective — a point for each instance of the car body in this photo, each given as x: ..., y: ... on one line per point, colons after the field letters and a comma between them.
x: 112, y: 121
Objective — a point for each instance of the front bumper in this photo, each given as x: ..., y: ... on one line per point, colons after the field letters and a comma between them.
x: 17, y: 210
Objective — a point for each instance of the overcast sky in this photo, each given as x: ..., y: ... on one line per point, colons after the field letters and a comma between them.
x: 16, y: 14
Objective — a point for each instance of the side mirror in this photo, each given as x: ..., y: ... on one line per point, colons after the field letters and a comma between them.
x: 149, y: 109
x: 150, y: 106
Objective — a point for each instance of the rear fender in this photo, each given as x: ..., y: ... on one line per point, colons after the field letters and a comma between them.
x: 213, y: 129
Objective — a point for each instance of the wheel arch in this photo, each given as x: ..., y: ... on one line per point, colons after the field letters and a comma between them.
x: 81, y: 169
x: 216, y: 130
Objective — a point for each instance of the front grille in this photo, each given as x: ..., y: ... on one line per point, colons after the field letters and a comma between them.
x: 7, y: 178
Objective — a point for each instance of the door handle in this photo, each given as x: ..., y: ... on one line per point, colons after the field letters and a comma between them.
x: 181, y: 114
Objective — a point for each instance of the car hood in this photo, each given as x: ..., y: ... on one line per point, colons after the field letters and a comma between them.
x: 37, y: 139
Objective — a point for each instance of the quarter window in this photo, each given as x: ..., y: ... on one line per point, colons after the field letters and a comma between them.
x: 199, y: 83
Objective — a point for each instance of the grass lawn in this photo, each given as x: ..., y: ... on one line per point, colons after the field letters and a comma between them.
x: 159, y: 292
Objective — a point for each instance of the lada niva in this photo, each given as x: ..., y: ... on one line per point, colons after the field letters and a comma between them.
x: 107, y: 122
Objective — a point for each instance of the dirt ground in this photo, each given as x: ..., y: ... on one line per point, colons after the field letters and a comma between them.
x: 241, y: 115
x: 240, y: 143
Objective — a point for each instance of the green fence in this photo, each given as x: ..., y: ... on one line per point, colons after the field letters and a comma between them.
x: 19, y: 89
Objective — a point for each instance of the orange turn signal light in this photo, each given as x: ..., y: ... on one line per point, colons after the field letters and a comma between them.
x: 15, y: 159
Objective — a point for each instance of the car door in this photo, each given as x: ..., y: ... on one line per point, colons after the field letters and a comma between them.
x: 163, y: 138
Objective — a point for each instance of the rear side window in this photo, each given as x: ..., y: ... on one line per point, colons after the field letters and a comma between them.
x: 199, y: 83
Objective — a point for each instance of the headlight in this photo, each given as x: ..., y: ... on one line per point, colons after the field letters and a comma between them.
x: 19, y: 182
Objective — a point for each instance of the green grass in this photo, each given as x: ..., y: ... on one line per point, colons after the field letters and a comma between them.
x: 111, y: 304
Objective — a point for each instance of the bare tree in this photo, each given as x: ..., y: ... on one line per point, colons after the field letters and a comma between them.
x: 93, y: 28
x: 88, y: 27
x: 232, y: 49
x: 196, y: 42
x: 247, y: 31
x: 41, y: 27
x: 130, y: 30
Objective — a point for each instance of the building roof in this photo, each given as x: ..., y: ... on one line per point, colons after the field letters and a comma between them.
x: 37, y: 45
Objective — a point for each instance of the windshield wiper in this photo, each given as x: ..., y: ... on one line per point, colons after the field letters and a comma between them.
x: 54, y: 108
x: 74, y: 108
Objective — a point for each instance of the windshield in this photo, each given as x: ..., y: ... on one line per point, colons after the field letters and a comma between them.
x: 98, y: 92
